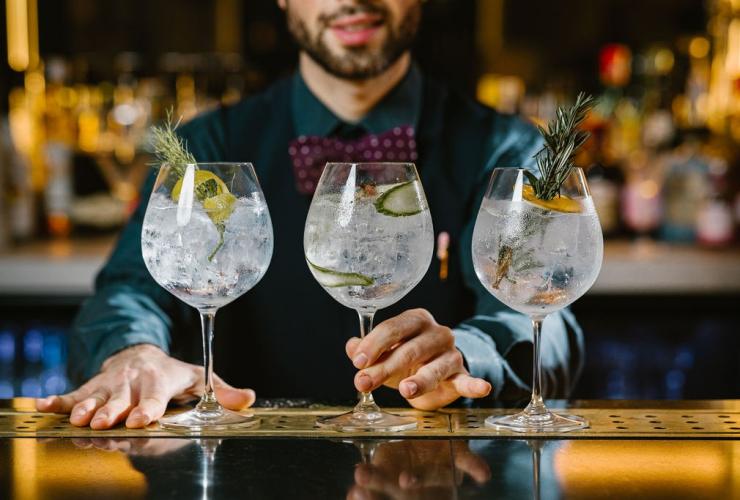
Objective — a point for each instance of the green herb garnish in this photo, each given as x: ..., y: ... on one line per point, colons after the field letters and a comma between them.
x: 562, y: 140
x: 170, y: 149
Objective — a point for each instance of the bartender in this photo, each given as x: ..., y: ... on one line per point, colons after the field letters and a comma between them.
x: 447, y: 340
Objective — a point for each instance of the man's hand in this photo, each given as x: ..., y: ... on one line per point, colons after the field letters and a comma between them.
x: 418, y: 469
x: 136, y: 384
x: 414, y: 354
x: 143, y: 447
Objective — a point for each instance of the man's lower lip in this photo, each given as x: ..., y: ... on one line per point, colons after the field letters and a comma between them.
x: 353, y: 38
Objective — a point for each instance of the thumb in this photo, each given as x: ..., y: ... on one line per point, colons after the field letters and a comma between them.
x: 231, y: 397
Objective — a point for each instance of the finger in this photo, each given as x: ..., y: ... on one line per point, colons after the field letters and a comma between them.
x: 473, y: 465
x: 83, y: 411
x: 82, y: 443
x: 115, y: 410
x: 404, y: 359
x: 428, y: 377
x: 408, y: 480
x: 374, y: 482
x: 357, y: 492
x: 231, y: 397
x: 470, y: 387
x: 120, y: 444
x: 104, y: 444
x: 153, y: 399
x: 157, y: 447
x: 61, y: 404
x: 388, y: 334
x: 351, y: 346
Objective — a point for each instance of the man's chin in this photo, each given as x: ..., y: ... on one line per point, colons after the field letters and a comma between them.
x: 366, y: 51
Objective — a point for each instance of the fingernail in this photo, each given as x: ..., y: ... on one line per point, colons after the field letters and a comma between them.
x: 365, y: 382
x: 79, y: 412
x: 411, y: 388
x: 99, y: 419
x: 360, y: 360
x: 136, y: 415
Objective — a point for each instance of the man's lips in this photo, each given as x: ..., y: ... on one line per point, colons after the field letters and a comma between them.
x: 356, y: 19
x: 356, y: 29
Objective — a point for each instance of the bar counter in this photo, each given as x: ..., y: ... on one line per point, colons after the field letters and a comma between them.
x: 634, y: 449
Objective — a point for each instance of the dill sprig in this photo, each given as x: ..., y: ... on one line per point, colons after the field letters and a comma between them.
x: 562, y: 140
x: 170, y: 148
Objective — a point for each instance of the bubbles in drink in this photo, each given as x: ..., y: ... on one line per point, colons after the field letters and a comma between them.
x: 366, y: 259
x: 534, y: 260
x: 178, y: 256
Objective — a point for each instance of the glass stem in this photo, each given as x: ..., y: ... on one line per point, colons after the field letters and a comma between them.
x: 367, y: 403
x: 208, y: 402
x: 536, y: 447
x: 536, y: 406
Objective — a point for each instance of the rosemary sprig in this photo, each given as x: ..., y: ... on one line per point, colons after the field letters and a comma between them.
x: 169, y: 148
x: 562, y: 140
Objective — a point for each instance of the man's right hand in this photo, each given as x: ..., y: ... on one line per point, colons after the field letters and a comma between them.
x: 136, y: 384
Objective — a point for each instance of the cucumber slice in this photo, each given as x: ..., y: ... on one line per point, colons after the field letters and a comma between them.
x: 334, y: 279
x: 399, y: 201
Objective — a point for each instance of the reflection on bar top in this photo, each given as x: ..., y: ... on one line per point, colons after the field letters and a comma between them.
x: 68, y: 267
x: 197, y: 467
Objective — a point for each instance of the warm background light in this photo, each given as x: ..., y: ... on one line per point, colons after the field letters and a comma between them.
x: 42, y: 471
x: 667, y: 469
x: 23, y: 36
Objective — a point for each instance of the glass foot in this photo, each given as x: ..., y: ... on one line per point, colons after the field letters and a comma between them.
x: 379, y: 421
x: 545, y: 422
x: 198, y: 420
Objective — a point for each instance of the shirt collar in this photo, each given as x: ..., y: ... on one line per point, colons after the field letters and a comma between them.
x: 401, y: 106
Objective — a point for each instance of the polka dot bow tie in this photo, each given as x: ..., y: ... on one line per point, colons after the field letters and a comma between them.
x: 310, y: 154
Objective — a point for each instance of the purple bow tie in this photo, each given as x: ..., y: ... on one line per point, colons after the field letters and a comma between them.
x: 310, y: 154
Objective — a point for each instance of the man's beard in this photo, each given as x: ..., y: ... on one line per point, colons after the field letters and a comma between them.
x: 359, y: 63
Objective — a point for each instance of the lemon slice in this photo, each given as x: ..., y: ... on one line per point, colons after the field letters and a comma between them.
x: 205, y: 181
x: 559, y: 203
x: 219, y: 207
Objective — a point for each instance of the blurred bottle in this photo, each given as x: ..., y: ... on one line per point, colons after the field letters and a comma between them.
x: 715, y: 226
x: 5, y: 150
x: 605, y: 178
x: 20, y: 196
x: 605, y: 188
x: 58, y: 191
x: 687, y: 187
x: 642, y: 204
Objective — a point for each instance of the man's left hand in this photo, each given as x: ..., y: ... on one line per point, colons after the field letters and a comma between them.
x: 411, y: 352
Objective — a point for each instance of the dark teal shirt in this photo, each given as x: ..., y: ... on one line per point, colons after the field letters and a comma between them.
x: 286, y: 336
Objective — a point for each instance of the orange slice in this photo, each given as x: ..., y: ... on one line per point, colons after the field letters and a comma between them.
x: 559, y: 203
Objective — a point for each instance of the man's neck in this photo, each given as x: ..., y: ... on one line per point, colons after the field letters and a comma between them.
x: 351, y: 100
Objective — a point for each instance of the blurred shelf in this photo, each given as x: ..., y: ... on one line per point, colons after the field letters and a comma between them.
x: 645, y: 268
x: 68, y: 268
x: 53, y: 268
